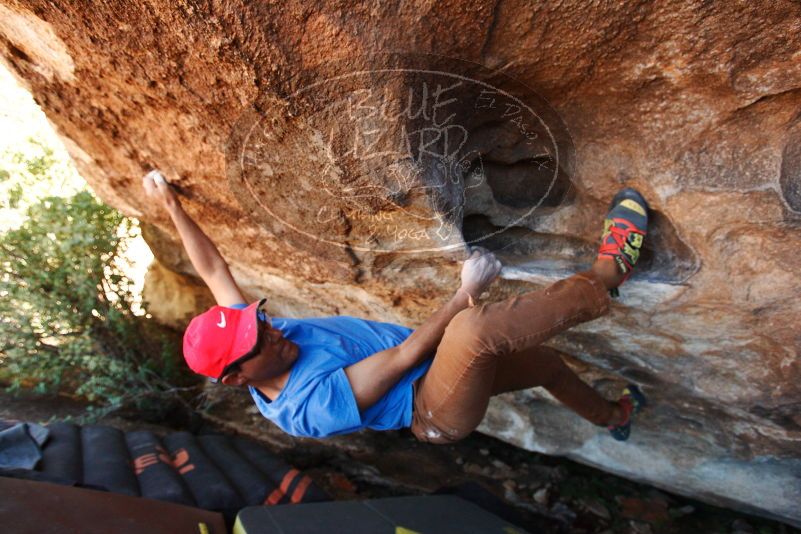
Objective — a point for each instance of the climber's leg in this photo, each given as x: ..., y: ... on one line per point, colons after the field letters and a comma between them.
x: 451, y: 399
x: 544, y: 366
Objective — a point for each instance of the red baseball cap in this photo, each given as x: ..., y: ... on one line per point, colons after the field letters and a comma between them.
x: 220, y: 336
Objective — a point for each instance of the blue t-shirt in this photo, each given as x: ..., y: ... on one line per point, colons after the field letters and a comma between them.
x: 317, y: 400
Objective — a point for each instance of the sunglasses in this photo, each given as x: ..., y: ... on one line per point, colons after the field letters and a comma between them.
x: 263, y: 320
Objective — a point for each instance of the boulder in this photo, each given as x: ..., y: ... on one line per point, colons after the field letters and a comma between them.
x: 342, y: 154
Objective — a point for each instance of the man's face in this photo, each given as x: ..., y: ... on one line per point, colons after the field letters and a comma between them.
x: 277, y: 355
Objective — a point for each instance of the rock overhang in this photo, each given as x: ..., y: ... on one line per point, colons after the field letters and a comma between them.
x: 708, y: 132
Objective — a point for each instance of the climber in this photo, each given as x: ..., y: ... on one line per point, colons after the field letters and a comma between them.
x: 324, y: 376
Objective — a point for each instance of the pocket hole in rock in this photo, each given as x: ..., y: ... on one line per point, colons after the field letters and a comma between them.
x: 520, y: 173
x: 522, y: 185
x: 665, y: 257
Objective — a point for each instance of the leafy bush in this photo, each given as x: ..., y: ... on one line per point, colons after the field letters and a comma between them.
x: 66, y: 316
x: 30, y: 171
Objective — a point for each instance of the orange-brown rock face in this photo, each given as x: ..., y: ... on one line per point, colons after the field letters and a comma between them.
x: 338, y: 177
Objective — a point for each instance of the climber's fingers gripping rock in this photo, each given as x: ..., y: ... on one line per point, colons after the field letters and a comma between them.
x: 479, y: 271
x: 157, y: 188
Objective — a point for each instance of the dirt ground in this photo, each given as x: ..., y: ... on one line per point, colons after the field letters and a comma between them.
x: 537, y: 492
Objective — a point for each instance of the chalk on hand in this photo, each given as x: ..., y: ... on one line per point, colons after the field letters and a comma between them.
x: 156, y: 177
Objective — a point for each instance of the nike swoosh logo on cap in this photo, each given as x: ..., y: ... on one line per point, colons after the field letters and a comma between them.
x: 221, y: 324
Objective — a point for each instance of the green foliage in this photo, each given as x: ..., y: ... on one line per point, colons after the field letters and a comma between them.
x: 66, y: 317
x: 30, y: 171
x: 39, y: 165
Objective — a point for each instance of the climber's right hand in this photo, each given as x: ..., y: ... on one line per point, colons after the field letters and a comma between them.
x: 479, y: 271
x: 157, y: 188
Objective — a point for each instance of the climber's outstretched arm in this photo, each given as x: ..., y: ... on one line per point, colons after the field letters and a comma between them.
x: 372, y: 377
x: 203, y: 254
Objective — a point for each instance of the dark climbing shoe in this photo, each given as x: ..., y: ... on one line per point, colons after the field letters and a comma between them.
x: 625, y: 227
x: 632, y: 401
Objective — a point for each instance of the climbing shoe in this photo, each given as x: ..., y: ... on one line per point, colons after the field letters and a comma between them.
x: 632, y: 401
x: 625, y: 227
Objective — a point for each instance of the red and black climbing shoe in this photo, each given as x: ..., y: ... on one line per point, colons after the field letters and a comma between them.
x: 625, y: 227
x: 632, y: 401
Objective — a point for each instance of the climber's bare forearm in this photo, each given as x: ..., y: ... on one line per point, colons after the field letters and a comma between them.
x: 478, y: 272
x: 203, y: 254
x: 425, y: 339
x: 372, y: 377
x: 205, y: 258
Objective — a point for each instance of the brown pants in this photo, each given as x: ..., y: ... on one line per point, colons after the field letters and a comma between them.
x: 494, y: 348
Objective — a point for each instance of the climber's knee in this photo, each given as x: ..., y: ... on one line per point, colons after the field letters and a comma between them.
x: 468, y: 329
x: 428, y: 432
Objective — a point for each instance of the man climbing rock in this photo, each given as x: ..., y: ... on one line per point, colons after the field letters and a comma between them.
x: 324, y: 376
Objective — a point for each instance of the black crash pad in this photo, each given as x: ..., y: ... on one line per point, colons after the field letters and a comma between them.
x: 215, y: 472
x: 436, y: 514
